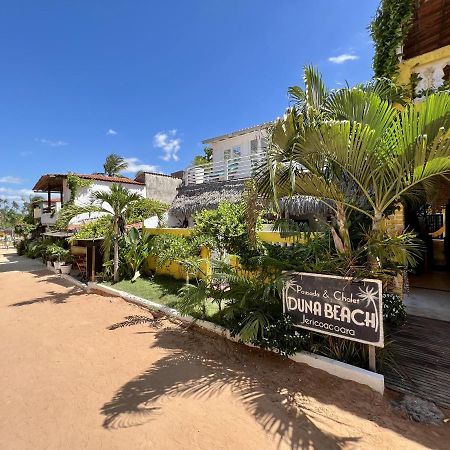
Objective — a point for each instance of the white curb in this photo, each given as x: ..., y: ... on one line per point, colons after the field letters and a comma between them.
x: 337, y: 368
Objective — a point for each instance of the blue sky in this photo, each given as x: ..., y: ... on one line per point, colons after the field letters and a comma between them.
x: 150, y: 80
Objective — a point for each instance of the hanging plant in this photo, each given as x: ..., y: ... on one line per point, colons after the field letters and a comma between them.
x: 74, y: 182
x: 389, y: 30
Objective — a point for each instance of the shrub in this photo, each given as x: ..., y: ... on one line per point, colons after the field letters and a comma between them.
x: 184, y: 251
x: 225, y: 228
x: 282, y: 337
x: 55, y: 252
x: 145, y: 208
x: 100, y: 227
x: 21, y: 247
x: 394, y: 311
x: 135, y: 248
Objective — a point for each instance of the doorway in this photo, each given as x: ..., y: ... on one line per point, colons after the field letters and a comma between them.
x: 432, y: 226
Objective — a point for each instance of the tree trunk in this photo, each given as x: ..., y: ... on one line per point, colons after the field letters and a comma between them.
x: 377, y: 221
x: 116, y: 251
x: 341, y: 237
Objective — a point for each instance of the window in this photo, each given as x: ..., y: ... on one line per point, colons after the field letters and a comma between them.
x: 254, y: 146
x: 263, y: 144
x: 236, y: 151
x: 226, y: 154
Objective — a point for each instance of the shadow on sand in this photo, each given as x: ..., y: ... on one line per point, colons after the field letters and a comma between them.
x: 276, y: 392
x: 52, y: 296
x: 190, y: 372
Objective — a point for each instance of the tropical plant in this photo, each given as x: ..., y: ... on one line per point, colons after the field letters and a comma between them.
x: 135, y: 249
x: 393, y: 253
x: 359, y: 154
x: 248, y: 302
x: 114, y: 164
x: 98, y: 228
x: 225, y: 228
x: 205, y: 158
x: 55, y: 252
x: 182, y: 250
x: 69, y: 211
x: 116, y: 203
x: 145, y: 208
x: 10, y: 214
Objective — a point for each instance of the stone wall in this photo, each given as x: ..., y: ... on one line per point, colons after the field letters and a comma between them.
x: 395, y: 223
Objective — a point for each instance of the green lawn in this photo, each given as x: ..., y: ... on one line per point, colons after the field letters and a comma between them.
x: 160, y: 289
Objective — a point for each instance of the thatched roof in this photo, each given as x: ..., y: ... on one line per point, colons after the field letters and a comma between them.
x: 299, y: 205
x: 197, y: 197
x: 193, y: 198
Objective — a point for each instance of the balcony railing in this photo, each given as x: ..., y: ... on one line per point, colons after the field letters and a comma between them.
x: 237, y: 168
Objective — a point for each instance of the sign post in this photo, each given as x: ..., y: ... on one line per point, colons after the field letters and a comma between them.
x: 337, y: 306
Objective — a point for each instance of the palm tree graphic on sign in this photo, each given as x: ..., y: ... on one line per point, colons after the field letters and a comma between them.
x: 370, y: 295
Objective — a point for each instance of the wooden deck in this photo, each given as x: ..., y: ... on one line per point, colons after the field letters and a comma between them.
x: 421, y: 351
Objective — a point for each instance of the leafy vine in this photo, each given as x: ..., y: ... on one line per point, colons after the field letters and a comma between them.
x: 389, y: 30
x: 74, y: 182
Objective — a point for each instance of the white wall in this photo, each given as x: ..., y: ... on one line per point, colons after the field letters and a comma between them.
x: 431, y: 74
x: 85, y: 197
x: 85, y: 194
x: 242, y: 141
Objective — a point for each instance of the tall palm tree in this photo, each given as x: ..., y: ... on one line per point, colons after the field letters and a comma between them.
x: 358, y: 152
x: 116, y: 202
x: 114, y: 164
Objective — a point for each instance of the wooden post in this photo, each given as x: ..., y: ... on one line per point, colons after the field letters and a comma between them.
x: 61, y: 197
x: 372, y: 359
x: 93, y: 264
x: 49, y: 200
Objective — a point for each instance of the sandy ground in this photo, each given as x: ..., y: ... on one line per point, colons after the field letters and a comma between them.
x: 68, y: 382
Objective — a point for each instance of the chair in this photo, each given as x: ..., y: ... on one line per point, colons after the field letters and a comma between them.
x: 81, y: 263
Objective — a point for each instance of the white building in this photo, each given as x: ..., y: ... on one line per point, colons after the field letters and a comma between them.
x: 146, y: 184
x: 235, y: 155
x: 47, y: 211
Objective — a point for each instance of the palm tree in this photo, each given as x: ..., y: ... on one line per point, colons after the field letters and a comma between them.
x: 114, y: 164
x: 356, y: 152
x: 116, y: 202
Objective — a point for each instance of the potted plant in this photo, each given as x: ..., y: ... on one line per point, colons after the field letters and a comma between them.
x: 65, y: 265
x: 49, y: 255
x: 53, y: 254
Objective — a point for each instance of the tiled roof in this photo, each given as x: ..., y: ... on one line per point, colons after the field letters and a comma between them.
x: 54, y: 180
x: 99, y: 177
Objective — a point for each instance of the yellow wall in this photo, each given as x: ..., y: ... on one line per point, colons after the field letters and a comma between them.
x: 172, y: 231
x: 173, y: 268
x: 265, y: 236
x: 406, y: 67
x: 176, y: 270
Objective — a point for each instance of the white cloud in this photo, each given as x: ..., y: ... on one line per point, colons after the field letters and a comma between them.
x: 10, y: 179
x: 135, y: 165
x: 15, y: 194
x: 111, y: 132
x: 169, y: 143
x: 340, y: 59
x: 51, y: 143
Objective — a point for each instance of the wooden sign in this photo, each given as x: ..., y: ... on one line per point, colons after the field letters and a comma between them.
x: 338, y: 306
